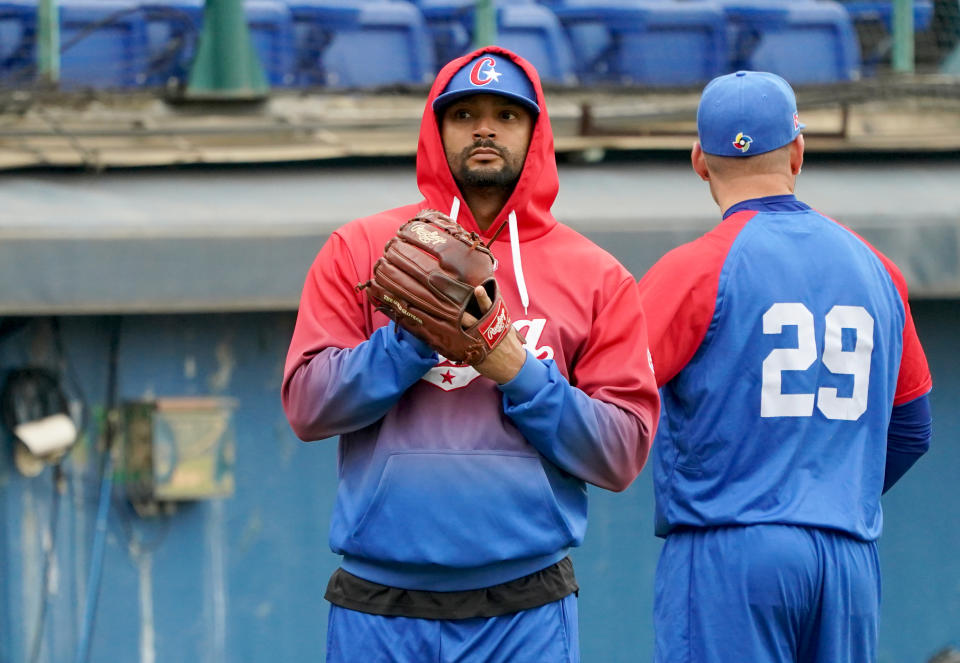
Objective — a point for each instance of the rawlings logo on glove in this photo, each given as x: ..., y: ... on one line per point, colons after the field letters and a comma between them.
x: 425, y: 283
x: 499, y: 323
x: 427, y: 236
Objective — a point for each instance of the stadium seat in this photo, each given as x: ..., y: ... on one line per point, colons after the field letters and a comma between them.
x: 523, y: 26
x: 271, y: 30
x: 803, y: 41
x: 103, y: 44
x: 647, y: 42
x: 882, y: 11
x: 174, y: 28
x: 360, y: 43
x: 17, y: 41
x: 173, y: 32
x: 873, y: 21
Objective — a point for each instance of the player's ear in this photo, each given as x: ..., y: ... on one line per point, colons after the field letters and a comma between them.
x: 699, y: 162
x: 796, y: 155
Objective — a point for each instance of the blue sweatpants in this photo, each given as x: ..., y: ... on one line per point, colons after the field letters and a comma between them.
x: 766, y: 594
x: 548, y: 634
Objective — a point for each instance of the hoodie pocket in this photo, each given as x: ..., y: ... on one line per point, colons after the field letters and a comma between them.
x: 460, y: 509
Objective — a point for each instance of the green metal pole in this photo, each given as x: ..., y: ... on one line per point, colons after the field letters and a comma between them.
x: 484, y: 24
x: 226, y: 66
x: 903, y: 36
x: 48, y: 41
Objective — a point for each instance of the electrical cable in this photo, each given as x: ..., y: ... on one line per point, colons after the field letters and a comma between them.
x: 68, y: 371
x: 29, y: 393
x: 103, y: 509
x: 47, y: 564
x: 19, y: 76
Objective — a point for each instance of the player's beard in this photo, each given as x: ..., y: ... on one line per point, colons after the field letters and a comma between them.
x: 483, y: 177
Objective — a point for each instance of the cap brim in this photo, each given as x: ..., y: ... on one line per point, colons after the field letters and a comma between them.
x: 448, y: 98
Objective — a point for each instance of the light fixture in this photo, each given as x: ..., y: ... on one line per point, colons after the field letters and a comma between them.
x: 35, y: 412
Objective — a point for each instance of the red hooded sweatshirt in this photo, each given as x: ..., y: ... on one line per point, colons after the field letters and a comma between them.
x: 448, y: 481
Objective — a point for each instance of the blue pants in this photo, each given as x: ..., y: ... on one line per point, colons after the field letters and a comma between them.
x: 548, y: 634
x: 766, y: 594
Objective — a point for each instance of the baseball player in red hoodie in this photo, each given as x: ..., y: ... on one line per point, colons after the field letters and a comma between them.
x: 463, y: 487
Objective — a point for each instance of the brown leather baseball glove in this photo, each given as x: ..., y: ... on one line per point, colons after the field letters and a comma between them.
x: 425, y: 282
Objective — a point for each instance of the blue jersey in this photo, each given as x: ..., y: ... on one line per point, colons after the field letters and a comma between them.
x: 781, y: 341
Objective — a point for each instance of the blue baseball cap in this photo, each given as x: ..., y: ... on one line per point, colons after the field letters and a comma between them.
x: 747, y: 113
x: 490, y: 73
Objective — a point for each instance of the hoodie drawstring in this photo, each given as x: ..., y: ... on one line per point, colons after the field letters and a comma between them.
x: 514, y: 251
x: 517, y: 265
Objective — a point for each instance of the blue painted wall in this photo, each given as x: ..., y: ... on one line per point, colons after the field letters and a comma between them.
x: 241, y: 579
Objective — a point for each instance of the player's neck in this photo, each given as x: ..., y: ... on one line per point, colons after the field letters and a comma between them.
x: 485, y: 204
x: 730, y: 191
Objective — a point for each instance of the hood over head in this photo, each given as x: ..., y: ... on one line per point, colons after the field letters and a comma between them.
x: 537, y: 187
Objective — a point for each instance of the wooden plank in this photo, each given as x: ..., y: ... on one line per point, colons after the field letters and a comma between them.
x: 118, y: 131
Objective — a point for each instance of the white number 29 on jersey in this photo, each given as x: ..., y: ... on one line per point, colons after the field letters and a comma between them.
x: 855, y: 362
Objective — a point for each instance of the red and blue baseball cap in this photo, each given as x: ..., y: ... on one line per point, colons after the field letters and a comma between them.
x: 490, y: 73
x: 747, y: 113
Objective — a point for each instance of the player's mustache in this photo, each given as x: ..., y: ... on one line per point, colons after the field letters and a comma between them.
x: 485, y: 143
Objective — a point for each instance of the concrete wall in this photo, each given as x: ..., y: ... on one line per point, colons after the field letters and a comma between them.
x: 241, y: 579
x: 240, y: 239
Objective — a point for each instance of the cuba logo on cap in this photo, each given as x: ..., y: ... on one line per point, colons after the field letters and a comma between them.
x: 742, y: 142
x: 483, y: 72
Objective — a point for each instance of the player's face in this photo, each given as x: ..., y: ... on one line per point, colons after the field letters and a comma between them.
x: 485, y: 137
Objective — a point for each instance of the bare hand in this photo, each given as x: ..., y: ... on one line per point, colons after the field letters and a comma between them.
x: 506, y: 360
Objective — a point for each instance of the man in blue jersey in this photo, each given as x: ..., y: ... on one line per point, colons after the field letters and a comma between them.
x: 794, y: 393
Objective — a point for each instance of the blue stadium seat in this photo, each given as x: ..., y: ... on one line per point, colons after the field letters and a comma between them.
x: 361, y: 43
x: 534, y: 32
x: 103, y: 44
x: 174, y: 28
x: 271, y: 30
x: 873, y: 20
x: 173, y: 33
x: 882, y: 11
x: 803, y: 41
x: 17, y: 41
x: 647, y: 42
x: 523, y: 26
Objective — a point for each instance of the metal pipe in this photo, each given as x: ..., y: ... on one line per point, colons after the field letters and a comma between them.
x: 227, y: 65
x: 903, y: 36
x: 48, y: 41
x: 103, y: 508
x: 484, y: 24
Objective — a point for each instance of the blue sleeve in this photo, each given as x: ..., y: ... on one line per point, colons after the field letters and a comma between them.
x: 591, y: 439
x: 908, y: 438
x: 345, y: 389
